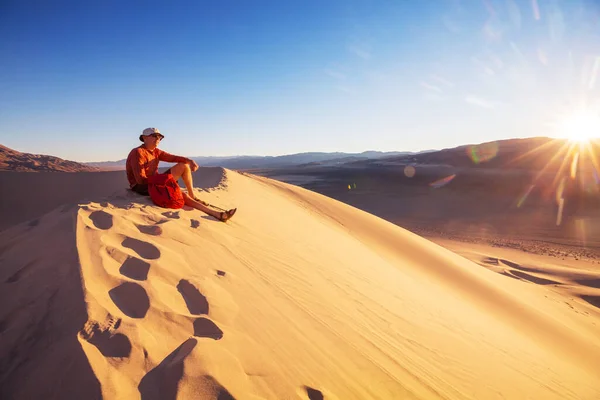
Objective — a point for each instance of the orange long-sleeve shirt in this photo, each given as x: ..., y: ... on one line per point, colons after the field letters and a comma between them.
x: 142, y: 163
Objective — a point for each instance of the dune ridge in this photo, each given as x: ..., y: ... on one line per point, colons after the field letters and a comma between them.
x: 453, y: 271
x: 298, y: 296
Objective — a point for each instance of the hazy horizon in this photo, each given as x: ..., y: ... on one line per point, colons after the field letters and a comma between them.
x: 81, y: 81
x: 124, y: 157
x: 234, y: 155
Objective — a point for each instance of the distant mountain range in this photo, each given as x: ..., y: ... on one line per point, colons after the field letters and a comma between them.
x: 531, y: 154
x: 12, y: 160
x: 252, y: 162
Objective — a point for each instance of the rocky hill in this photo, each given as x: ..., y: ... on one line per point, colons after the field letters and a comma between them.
x: 12, y: 160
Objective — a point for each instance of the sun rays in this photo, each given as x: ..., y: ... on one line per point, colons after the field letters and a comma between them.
x: 577, y: 172
x: 581, y: 126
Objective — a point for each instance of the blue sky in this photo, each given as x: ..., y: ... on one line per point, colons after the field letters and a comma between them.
x: 80, y: 80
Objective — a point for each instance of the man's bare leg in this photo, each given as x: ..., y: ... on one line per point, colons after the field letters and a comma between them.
x: 183, y: 171
x: 221, y: 216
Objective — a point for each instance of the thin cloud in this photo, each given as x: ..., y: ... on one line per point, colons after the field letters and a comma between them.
x: 441, y: 80
x: 492, y: 32
x: 480, y: 102
x: 376, y: 76
x: 536, y: 9
x: 431, y: 87
x: 542, y: 56
x: 482, y: 65
x: 433, y: 96
x: 514, y: 13
x: 450, y: 24
x: 335, y: 74
x: 345, y: 89
x: 360, y: 51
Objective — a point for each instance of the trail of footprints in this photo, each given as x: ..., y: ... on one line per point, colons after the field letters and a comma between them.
x: 132, y: 299
x: 523, y: 273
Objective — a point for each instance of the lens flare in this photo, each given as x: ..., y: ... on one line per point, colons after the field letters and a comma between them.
x: 561, y: 204
x: 482, y: 153
x: 560, y: 201
x: 581, y: 230
x: 574, y: 166
x: 409, y: 171
x: 559, y: 191
x: 521, y: 201
x: 442, y: 182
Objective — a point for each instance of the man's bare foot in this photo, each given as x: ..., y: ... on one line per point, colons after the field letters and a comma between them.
x: 226, y: 215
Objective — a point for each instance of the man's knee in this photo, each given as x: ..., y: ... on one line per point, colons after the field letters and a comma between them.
x: 180, y: 167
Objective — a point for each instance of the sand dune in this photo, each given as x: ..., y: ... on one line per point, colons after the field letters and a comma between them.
x: 298, y: 297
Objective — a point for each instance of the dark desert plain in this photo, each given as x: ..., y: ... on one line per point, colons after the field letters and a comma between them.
x: 539, y: 195
x: 464, y: 273
x: 527, y: 208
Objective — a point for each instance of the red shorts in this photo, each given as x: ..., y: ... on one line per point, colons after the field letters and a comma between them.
x: 142, y: 188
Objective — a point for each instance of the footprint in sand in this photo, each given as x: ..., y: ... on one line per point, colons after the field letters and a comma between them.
x: 131, y: 299
x: 109, y: 343
x: 102, y: 219
x: 171, y: 214
x: 162, y: 382
x: 313, y: 394
x: 197, y: 304
x: 135, y: 268
x: 511, y: 264
x: 517, y: 272
x: 153, y: 230
x: 143, y: 249
x: 213, y: 390
x: 195, y: 301
x: 534, y: 279
x: 491, y: 260
x: 521, y: 267
x: 204, y: 327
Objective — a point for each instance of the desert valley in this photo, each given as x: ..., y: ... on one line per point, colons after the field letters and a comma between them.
x: 466, y: 273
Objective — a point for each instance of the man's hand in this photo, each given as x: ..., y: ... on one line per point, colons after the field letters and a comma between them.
x: 193, y: 165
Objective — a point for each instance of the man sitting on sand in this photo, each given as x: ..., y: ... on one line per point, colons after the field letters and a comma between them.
x: 142, y: 163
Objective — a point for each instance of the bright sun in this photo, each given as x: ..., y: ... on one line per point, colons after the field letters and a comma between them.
x: 581, y: 127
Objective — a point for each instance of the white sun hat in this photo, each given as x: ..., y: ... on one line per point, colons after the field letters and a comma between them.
x: 150, y: 132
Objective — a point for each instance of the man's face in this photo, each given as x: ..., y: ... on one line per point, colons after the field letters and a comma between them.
x: 152, y: 141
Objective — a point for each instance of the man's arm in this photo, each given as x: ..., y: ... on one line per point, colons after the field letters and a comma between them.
x: 164, y: 156
x: 137, y: 167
